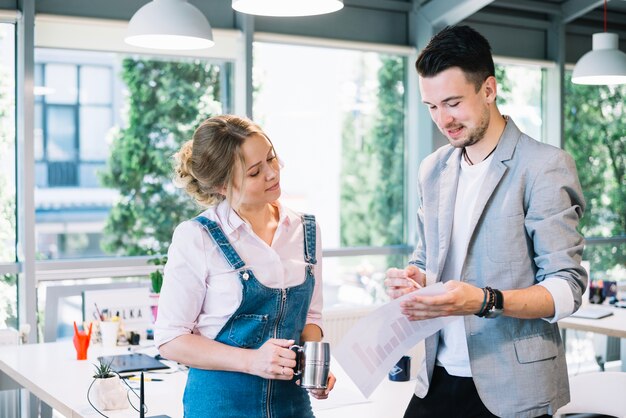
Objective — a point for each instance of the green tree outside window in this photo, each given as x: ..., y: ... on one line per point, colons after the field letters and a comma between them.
x: 166, y: 102
x: 595, y: 136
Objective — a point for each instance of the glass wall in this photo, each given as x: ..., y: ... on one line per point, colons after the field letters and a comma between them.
x: 520, y: 96
x: 595, y: 135
x: 106, y: 127
x: 337, y: 120
x: 8, y: 289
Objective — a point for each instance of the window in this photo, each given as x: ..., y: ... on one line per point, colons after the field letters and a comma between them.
x: 520, y: 96
x: 74, y: 112
x: 595, y: 126
x: 8, y: 289
x: 337, y: 119
x: 107, y: 125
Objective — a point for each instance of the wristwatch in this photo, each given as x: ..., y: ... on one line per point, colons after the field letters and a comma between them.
x: 498, y: 307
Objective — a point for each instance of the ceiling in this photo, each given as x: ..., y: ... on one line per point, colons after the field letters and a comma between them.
x: 517, y: 28
x: 584, y: 16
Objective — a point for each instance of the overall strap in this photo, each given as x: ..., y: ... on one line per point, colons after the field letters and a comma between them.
x: 215, y: 231
x: 308, y: 222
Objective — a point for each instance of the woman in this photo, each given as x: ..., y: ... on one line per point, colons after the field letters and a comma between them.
x: 243, y: 280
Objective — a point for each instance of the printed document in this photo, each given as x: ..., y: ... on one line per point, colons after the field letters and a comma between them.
x: 376, y: 342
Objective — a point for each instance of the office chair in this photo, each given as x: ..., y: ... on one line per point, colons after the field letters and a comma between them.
x: 597, y: 393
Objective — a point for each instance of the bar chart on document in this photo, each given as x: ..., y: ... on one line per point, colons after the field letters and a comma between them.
x: 375, y: 343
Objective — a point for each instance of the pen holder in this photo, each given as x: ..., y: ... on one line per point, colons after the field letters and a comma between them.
x: 81, y: 342
x: 108, y: 333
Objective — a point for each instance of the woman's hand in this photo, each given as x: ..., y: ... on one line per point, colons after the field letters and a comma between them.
x: 323, y: 393
x: 273, y: 360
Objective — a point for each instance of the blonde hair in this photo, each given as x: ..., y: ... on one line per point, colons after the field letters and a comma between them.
x: 206, y: 164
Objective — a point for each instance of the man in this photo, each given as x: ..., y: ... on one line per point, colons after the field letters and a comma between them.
x: 497, y: 224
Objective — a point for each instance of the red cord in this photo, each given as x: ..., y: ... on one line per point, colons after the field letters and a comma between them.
x: 605, y: 15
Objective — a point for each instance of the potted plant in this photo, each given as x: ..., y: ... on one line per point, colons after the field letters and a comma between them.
x: 156, y: 280
x: 156, y: 277
x: 108, y: 392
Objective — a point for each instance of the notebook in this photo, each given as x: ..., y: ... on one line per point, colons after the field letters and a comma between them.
x: 134, y: 362
x: 591, y: 313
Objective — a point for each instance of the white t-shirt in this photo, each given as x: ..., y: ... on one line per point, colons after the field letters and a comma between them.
x: 201, y: 290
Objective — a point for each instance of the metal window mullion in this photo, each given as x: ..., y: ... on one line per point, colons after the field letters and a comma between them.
x: 10, y: 16
x: 44, y: 122
x: 9, y: 268
x: 25, y: 127
x: 77, y: 122
x: 93, y: 268
x: 363, y: 251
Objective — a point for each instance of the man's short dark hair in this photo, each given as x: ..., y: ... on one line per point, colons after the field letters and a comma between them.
x: 457, y: 46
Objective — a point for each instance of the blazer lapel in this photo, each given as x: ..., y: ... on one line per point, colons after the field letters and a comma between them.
x: 449, y: 180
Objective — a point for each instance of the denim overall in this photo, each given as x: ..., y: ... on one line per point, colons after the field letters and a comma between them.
x: 264, y: 313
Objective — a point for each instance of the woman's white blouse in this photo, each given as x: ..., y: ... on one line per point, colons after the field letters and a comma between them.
x: 201, y: 290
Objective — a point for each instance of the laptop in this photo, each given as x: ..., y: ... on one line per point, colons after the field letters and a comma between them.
x: 591, y: 313
x: 134, y: 362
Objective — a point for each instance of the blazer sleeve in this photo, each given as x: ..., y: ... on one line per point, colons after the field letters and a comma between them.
x: 555, y: 205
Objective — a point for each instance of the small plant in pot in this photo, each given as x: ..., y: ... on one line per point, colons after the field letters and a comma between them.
x: 108, y: 392
x: 103, y: 370
x: 156, y: 279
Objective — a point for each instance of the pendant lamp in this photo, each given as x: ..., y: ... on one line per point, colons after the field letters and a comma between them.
x: 604, y: 64
x: 287, y: 7
x: 169, y: 24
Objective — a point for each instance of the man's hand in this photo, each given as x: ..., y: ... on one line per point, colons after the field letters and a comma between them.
x: 399, y: 282
x: 460, y: 299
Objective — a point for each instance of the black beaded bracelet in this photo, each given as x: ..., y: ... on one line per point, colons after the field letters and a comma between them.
x: 482, y: 308
x: 490, y: 299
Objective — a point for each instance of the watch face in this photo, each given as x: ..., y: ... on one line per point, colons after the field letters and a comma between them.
x: 494, y: 313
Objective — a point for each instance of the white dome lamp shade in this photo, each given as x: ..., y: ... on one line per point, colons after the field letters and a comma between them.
x: 287, y: 7
x: 604, y: 64
x: 169, y: 24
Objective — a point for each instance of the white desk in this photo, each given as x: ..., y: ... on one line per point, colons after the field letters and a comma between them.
x: 612, y: 326
x: 51, y: 372
x: 389, y: 400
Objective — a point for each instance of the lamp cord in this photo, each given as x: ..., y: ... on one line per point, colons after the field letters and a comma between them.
x: 130, y: 389
x: 605, y: 15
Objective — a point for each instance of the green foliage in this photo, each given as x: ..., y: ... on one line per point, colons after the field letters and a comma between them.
x: 103, y: 369
x: 166, y: 102
x: 595, y: 136
x: 504, y: 85
x: 372, y: 189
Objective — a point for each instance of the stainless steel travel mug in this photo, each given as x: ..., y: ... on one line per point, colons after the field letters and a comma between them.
x: 312, y: 364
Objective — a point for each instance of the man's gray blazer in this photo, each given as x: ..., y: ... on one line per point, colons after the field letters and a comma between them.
x: 523, y: 230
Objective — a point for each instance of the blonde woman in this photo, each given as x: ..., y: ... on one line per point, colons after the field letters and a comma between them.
x: 243, y: 281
